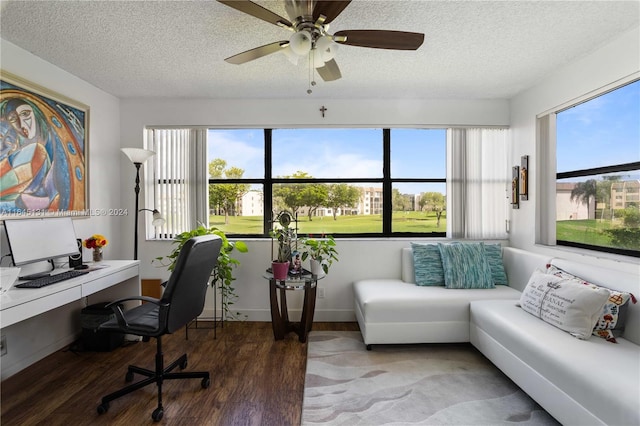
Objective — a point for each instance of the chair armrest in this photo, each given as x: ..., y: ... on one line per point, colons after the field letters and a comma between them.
x: 140, y: 298
x: 116, y: 307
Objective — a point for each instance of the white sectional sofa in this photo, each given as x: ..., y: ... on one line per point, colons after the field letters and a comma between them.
x: 579, y: 382
x: 398, y: 311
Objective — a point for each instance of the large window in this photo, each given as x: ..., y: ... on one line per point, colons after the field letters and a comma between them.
x: 343, y: 182
x: 598, y: 172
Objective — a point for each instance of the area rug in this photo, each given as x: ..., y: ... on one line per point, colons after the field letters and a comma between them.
x: 429, y: 384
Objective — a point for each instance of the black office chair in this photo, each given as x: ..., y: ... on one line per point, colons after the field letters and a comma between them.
x: 182, y: 301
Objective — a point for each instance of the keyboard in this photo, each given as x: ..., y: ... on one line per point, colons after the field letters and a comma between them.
x: 51, y: 279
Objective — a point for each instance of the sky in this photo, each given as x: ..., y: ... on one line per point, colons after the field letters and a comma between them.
x: 336, y: 153
x: 606, y: 131
x: 600, y: 132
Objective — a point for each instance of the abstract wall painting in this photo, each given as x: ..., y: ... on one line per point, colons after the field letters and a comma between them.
x: 43, y: 151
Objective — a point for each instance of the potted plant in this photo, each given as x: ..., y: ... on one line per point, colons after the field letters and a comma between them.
x: 322, y: 253
x: 280, y: 265
x: 222, y: 274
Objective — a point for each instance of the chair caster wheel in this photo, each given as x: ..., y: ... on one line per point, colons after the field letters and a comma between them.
x: 103, y: 408
x: 157, y: 414
x: 183, y: 365
x: 205, y: 383
x: 128, y: 377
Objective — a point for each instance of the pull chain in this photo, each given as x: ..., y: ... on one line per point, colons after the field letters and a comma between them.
x: 311, y: 68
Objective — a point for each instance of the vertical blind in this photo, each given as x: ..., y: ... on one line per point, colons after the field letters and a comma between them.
x: 178, y: 173
x: 479, y: 177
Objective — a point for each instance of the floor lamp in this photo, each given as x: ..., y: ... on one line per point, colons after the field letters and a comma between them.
x: 138, y: 156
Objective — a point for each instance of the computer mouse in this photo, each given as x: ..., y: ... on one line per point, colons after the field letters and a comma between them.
x: 81, y: 267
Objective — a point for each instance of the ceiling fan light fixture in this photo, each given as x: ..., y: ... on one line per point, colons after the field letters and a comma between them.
x: 316, y: 57
x: 292, y: 57
x: 300, y: 43
x: 327, y: 48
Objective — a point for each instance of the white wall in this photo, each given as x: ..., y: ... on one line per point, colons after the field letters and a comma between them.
x: 31, y: 340
x: 104, y: 139
x: 617, y: 60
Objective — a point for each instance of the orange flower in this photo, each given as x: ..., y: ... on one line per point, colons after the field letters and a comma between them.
x: 95, y: 241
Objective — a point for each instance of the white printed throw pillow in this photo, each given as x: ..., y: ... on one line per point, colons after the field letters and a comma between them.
x: 566, y: 304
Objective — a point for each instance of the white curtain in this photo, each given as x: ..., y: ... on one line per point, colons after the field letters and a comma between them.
x: 179, y: 177
x: 478, y: 175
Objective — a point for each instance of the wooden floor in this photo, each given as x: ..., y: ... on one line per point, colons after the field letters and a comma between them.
x: 254, y: 381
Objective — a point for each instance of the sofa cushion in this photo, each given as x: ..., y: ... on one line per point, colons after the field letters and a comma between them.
x: 618, y: 279
x: 566, y: 304
x: 388, y: 300
x: 427, y: 264
x: 603, y: 378
x: 465, y: 266
x: 493, y: 254
x: 613, y: 316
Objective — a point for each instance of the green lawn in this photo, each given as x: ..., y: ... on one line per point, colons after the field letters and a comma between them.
x: 586, y: 232
x: 579, y: 231
x: 402, y: 222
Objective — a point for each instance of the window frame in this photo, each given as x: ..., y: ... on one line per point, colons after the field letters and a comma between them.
x: 551, y: 139
x: 386, y: 182
x: 478, y: 215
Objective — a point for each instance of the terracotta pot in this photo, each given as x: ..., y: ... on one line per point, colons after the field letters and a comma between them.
x: 280, y: 270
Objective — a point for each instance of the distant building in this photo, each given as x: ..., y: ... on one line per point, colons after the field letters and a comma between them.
x: 370, y: 201
x: 625, y: 194
x: 571, y: 210
x: 251, y: 204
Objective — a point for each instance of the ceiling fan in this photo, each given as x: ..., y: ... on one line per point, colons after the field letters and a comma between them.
x: 311, y: 38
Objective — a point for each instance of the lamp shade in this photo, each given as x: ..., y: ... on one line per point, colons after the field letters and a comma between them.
x: 316, y: 56
x: 138, y: 155
x: 327, y: 47
x: 158, y: 220
x: 300, y: 43
x: 291, y: 57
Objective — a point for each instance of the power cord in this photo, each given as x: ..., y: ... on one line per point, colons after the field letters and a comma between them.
x: 3, y: 256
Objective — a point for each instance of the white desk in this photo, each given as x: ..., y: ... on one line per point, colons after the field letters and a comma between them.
x: 19, y: 304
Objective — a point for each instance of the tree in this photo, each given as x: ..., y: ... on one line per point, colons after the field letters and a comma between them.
x: 603, y: 191
x: 225, y: 196
x: 584, y: 192
x: 292, y: 194
x: 401, y: 202
x: 314, y: 196
x: 341, y: 196
x: 434, y: 202
x: 631, y: 217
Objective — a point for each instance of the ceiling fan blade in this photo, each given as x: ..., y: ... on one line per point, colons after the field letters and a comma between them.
x: 257, y: 11
x: 382, y: 39
x: 329, y: 8
x: 258, y: 52
x: 330, y: 71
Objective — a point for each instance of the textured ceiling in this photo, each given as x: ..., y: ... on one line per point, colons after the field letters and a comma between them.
x: 472, y: 49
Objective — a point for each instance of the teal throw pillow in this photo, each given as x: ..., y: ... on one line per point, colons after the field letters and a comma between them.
x: 465, y: 266
x: 493, y: 254
x: 427, y: 266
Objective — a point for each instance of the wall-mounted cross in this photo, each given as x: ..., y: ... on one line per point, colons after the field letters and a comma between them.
x: 322, y: 110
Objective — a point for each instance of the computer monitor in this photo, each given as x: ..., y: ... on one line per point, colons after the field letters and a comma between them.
x: 35, y: 240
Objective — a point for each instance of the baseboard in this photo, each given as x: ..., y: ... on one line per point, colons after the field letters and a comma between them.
x: 264, y: 315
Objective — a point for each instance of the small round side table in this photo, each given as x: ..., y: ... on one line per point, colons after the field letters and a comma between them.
x: 279, y: 313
